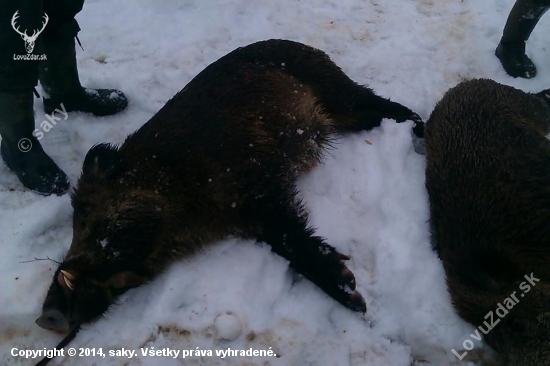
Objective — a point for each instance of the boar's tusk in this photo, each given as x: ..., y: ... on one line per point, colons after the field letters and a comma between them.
x: 68, y: 283
x: 67, y: 278
x: 68, y: 275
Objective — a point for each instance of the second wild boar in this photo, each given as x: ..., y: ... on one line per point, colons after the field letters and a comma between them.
x: 488, y: 180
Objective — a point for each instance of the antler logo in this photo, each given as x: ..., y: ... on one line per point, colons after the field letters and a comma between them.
x: 29, y: 40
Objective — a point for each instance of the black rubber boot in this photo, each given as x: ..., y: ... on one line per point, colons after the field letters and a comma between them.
x: 59, y: 79
x: 523, y: 18
x: 22, y: 152
x: 514, y: 60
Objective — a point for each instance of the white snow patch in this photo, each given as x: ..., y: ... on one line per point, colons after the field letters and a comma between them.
x: 369, y: 201
x: 228, y: 326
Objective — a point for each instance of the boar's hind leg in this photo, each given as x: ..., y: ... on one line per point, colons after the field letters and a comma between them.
x: 358, y: 108
x: 289, y: 236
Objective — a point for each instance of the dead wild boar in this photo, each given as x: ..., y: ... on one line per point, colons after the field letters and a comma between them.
x: 220, y: 158
x: 488, y: 180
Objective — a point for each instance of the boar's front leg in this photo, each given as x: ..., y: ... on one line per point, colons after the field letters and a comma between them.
x: 287, y: 232
x: 355, y: 108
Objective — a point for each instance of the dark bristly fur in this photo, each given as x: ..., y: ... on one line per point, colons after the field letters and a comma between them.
x: 488, y: 179
x: 220, y: 158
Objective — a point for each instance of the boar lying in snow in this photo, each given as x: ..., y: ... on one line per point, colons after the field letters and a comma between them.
x: 488, y: 180
x: 220, y: 158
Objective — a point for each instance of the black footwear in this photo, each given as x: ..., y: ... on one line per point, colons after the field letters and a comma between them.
x: 59, y: 79
x: 515, y: 61
x: 99, y: 102
x: 21, y: 151
x: 521, y: 21
x: 35, y: 169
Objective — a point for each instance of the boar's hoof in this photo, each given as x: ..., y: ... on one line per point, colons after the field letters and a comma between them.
x: 405, y: 114
x: 53, y: 320
x: 337, y: 281
x: 416, y: 118
x: 354, y: 300
x: 342, y: 288
x: 348, y: 278
x: 357, y: 303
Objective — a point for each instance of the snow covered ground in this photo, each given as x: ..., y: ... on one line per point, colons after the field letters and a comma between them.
x: 369, y: 201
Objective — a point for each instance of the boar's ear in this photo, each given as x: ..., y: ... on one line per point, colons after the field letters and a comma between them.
x: 125, y: 279
x: 103, y: 161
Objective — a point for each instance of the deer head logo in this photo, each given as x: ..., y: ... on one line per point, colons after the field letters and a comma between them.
x: 29, y: 40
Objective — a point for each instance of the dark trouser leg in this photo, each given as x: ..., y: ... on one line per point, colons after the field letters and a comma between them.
x: 523, y: 18
x: 59, y: 73
x: 20, y: 150
x: 62, y: 13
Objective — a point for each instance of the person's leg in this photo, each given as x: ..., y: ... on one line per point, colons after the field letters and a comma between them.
x: 20, y: 150
x: 59, y: 73
x: 522, y: 19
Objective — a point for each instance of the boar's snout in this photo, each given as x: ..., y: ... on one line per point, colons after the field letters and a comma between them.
x: 53, y: 320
